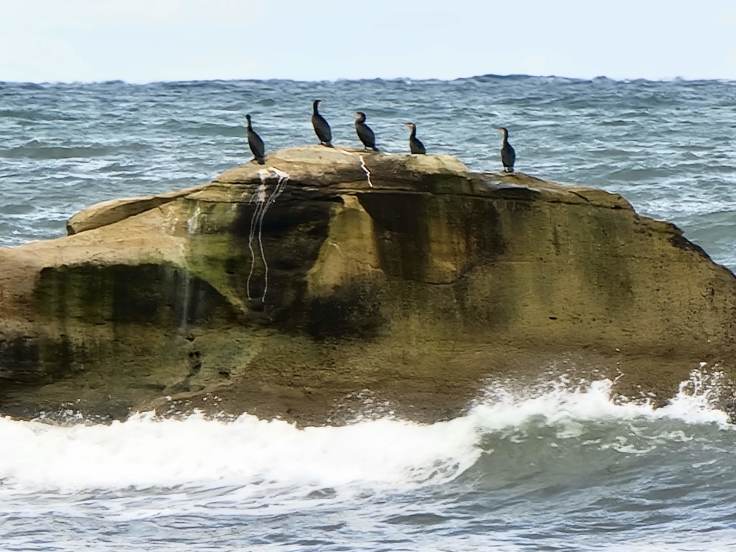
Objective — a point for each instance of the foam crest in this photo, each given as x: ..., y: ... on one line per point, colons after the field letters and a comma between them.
x: 693, y: 404
x: 145, y: 451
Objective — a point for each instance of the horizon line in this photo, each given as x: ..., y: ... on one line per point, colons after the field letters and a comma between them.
x: 509, y: 76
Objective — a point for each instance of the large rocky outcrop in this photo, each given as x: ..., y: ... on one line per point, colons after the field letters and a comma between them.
x: 329, y: 278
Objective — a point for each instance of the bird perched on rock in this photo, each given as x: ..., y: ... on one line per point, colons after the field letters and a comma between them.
x: 255, y: 143
x: 364, y: 132
x: 415, y: 144
x: 508, y: 155
x: 321, y: 126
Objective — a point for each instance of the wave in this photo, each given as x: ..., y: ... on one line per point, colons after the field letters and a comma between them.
x: 146, y: 451
x: 35, y: 149
x: 36, y: 115
x: 200, y: 128
x: 490, y: 77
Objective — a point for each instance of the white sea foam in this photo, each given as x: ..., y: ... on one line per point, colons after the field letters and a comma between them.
x: 143, y: 451
x: 386, y: 453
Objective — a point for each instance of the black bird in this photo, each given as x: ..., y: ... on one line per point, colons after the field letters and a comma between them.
x: 256, y: 143
x: 508, y: 155
x: 364, y: 131
x: 321, y: 126
x: 415, y: 144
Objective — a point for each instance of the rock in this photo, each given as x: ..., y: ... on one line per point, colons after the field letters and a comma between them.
x: 328, y: 278
x: 115, y: 210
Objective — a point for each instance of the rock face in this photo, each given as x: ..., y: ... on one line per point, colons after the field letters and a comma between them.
x: 328, y: 278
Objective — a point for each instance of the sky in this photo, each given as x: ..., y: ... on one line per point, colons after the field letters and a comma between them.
x: 154, y: 40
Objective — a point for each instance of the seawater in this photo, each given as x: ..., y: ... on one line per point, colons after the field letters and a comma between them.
x: 562, y: 466
x: 554, y: 468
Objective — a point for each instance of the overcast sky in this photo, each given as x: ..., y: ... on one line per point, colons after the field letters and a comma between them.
x: 148, y: 40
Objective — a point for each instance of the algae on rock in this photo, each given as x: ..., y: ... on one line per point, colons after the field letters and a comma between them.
x: 293, y: 288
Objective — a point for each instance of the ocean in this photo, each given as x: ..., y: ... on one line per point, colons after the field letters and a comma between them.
x: 561, y: 466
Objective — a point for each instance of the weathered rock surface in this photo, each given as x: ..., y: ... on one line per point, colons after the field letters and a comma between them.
x: 306, y: 296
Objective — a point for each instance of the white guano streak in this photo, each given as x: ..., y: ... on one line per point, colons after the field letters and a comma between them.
x: 263, y: 202
x: 363, y: 166
x: 365, y: 170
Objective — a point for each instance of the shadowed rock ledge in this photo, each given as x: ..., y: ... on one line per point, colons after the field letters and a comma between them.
x: 330, y: 278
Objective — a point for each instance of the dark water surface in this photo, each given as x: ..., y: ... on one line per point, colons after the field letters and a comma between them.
x: 552, y: 469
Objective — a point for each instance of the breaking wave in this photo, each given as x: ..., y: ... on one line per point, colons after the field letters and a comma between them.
x: 146, y: 451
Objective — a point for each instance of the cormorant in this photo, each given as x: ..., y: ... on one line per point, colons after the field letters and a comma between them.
x: 415, y: 144
x: 256, y: 143
x: 364, y: 131
x: 508, y: 155
x: 321, y: 126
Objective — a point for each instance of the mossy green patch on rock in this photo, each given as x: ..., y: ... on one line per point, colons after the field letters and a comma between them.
x: 146, y: 294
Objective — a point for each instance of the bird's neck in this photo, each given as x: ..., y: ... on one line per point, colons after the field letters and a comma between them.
x: 315, y: 109
x: 413, y: 132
